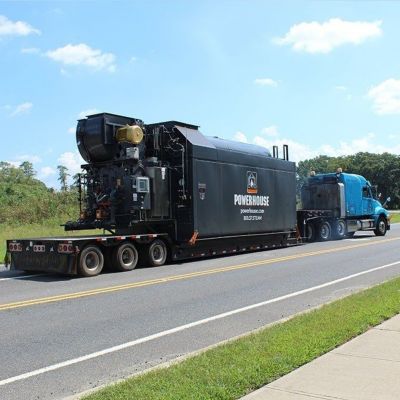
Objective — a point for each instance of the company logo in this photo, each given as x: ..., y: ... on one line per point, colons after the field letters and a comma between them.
x: 251, y: 198
x: 202, y: 190
x: 252, y: 182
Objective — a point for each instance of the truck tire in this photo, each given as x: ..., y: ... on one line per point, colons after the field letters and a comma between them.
x: 381, y: 227
x: 156, y: 253
x: 124, y: 257
x: 91, y: 261
x: 339, y: 229
x: 324, y: 231
x: 310, y: 232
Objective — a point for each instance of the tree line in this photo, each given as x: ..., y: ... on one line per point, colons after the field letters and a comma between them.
x: 24, y: 199
x: 382, y: 170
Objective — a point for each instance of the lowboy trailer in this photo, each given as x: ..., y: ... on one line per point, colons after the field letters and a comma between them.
x: 165, y: 191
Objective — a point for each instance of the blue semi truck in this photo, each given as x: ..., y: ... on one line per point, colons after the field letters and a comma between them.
x: 336, y: 205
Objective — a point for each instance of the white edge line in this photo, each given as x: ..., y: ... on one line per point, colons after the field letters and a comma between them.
x: 11, y: 278
x: 184, y: 327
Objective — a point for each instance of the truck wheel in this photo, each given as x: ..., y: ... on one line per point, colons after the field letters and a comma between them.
x: 91, y: 261
x: 156, y: 253
x: 125, y: 257
x: 381, y: 227
x: 310, y: 232
x: 340, y: 229
x: 325, y: 231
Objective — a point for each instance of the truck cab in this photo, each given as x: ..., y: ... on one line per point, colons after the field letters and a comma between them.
x: 336, y: 205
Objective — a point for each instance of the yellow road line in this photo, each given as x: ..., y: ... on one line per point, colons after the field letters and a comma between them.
x: 132, y: 285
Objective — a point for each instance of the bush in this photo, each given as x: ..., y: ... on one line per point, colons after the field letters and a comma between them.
x: 26, y: 200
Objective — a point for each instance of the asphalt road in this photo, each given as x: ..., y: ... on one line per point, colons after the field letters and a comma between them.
x: 61, y: 336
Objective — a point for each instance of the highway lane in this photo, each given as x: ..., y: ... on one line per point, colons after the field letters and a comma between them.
x: 124, y: 308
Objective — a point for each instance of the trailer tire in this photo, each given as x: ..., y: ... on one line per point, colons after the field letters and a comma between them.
x: 340, y: 229
x: 324, y: 231
x: 310, y: 232
x: 156, y: 253
x: 91, y: 261
x: 381, y: 227
x: 124, y: 257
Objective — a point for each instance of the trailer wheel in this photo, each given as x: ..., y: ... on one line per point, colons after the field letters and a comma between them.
x: 156, y: 253
x: 125, y: 257
x: 91, y: 261
x: 381, y: 227
x: 325, y: 231
x: 310, y: 232
x: 340, y: 229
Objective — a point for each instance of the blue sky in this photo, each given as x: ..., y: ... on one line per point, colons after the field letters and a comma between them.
x: 322, y: 76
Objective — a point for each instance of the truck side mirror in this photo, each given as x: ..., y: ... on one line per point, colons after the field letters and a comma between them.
x: 386, y: 202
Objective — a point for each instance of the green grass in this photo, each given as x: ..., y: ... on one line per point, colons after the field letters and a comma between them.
x: 234, y: 369
x: 47, y: 228
x: 395, y: 218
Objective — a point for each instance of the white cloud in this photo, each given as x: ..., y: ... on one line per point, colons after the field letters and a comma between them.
x: 18, y: 160
x: 341, y: 88
x: 386, y: 97
x: 45, y: 172
x: 23, y: 108
x: 85, y: 113
x: 270, y: 131
x: 297, y: 151
x: 265, y: 82
x: 71, y: 130
x: 30, y: 50
x: 316, y: 37
x: 300, y: 151
x: 33, y: 158
x: 71, y: 160
x: 17, y: 28
x: 82, y: 54
x: 240, y: 137
x: 15, y: 164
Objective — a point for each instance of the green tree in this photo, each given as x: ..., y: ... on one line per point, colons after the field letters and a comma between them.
x: 76, y: 181
x: 63, y: 177
x: 27, y: 169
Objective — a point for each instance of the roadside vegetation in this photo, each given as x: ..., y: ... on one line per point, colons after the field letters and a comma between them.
x: 234, y: 369
x: 395, y: 218
x: 28, y: 208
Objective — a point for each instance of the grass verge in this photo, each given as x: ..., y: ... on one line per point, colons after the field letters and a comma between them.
x: 234, y: 369
x: 47, y: 228
x: 395, y: 218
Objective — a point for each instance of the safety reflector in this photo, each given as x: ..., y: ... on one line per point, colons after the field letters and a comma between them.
x: 15, y: 247
x: 65, y: 248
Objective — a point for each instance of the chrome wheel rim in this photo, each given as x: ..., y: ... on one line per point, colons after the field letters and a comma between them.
x: 340, y: 228
x: 158, y: 253
x: 92, y: 260
x: 127, y: 257
x: 324, y: 231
